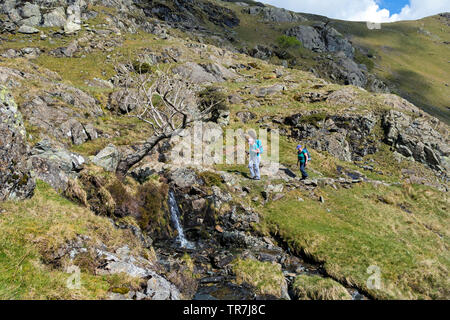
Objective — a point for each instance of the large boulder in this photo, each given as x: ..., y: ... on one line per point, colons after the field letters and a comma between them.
x: 30, y: 10
x: 211, y: 72
x: 108, y: 158
x: 122, y: 101
x: 55, y: 18
x: 7, y: 5
x: 185, y: 178
x: 15, y: 178
x: 261, y: 92
x: 27, y: 30
x: 158, y: 288
x: 194, y: 72
x: 54, y: 165
x: 31, y: 14
x: 122, y: 261
x: 73, y: 22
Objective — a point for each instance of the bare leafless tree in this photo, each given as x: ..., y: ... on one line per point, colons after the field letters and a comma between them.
x: 161, y: 100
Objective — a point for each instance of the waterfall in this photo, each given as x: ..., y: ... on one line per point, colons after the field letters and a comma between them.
x: 175, y: 216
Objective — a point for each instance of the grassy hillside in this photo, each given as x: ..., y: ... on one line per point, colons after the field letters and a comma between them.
x: 412, y: 57
x: 32, y: 231
x: 404, y: 234
x: 402, y: 228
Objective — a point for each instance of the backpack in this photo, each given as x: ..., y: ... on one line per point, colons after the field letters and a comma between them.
x: 308, y: 154
x: 259, y: 146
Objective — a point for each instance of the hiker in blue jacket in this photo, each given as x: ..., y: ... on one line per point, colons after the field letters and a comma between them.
x: 302, y: 159
x: 255, y: 151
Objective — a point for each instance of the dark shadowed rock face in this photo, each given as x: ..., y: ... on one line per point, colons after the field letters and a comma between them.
x: 347, y: 137
x: 350, y: 137
x: 15, y: 177
x: 189, y: 13
x: 418, y: 138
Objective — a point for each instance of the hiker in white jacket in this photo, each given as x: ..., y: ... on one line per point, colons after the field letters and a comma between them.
x: 254, y: 155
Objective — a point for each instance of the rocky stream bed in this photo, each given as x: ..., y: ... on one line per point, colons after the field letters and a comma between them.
x: 213, y: 256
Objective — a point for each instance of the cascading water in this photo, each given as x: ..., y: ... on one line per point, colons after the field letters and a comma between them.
x: 175, y: 216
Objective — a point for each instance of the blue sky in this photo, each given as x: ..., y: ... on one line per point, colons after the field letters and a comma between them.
x: 366, y: 10
x: 394, y: 6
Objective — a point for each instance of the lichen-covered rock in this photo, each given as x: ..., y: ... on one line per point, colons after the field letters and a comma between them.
x: 45, y: 111
x: 15, y: 178
x: 185, y: 177
x: 158, y: 288
x: 55, y: 18
x: 211, y: 72
x: 108, y: 158
x: 73, y: 22
x: 54, y: 165
x: 27, y: 30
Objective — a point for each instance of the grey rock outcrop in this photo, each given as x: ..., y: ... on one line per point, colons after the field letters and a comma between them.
x: 29, y: 53
x: 267, y: 91
x: 55, y: 18
x: 15, y: 178
x: 417, y: 138
x: 347, y: 137
x: 55, y: 165
x: 190, y: 13
x: 27, y: 30
x: 31, y: 14
x: 322, y: 38
x: 108, y: 158
x: 273, y: 14
x: 337, y: 56
x: 73, y: 22
x: 351, y: 136
x: 212, y: 72
x: 28, y: 15
x: 158, y: 288
x: 185, y: 177
x: 348, y: 71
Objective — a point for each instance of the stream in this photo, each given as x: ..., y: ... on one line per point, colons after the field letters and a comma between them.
x: 175, y: 218
x: 212, y: 259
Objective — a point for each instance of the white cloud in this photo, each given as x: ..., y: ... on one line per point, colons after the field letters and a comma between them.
x: 363, y: 10
x: 419, y: 8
